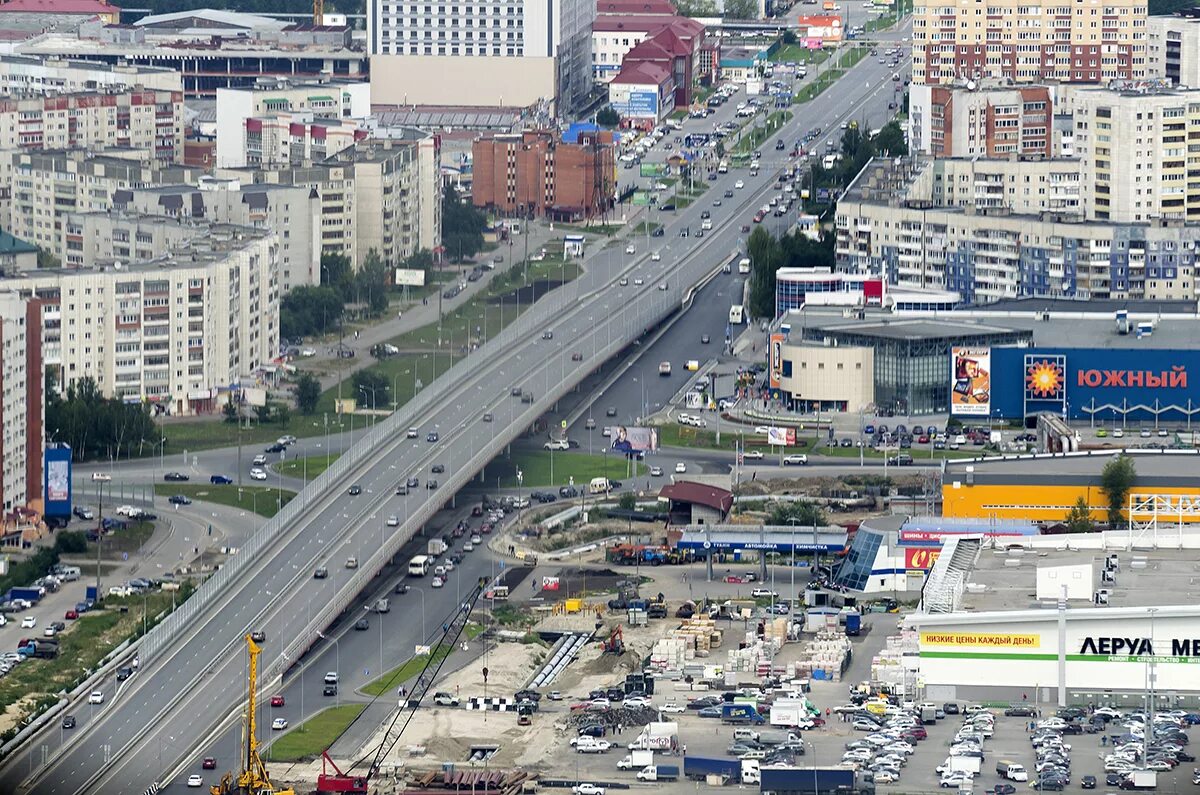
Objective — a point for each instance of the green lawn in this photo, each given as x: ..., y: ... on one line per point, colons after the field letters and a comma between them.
x: 794, y: 53
x: 128, y: 540
x: 193, y: 435
x: 399, y: 675
x: 315, y: 735
x: 263, y: 500
x: 308, y: 467
x: 535, y: 468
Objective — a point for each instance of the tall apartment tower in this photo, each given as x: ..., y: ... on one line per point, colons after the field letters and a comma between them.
x: 1070, y: 41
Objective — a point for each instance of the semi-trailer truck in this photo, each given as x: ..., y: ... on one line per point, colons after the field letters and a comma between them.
x: 814, y: 780
x: 699, y: 768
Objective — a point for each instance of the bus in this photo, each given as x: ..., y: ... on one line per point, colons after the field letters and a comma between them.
x: 737, y: 315
x: 418, y: 566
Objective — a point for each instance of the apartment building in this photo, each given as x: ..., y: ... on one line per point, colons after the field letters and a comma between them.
x: 210, y: 48
x: 1022, y: 185
x: 515, y: 54
x: 536, y: 174
x: 889, y: 224
x: 279, y: 122
x: 972, y: 119
x: 676, y: 42
x: 20, y: 74
x: 38, y: 189
x: 1134, y: 148
x: 197, y: 313
x: 1173, y: 48
x: 1080, y: 42
x: 134, y: 118
x: 378, y: 195
x: 22, y: 400
x: 293, y: 213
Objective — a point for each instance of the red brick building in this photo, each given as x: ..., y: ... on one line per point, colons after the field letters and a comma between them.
x: 535, y: 174
x: 987, y: 121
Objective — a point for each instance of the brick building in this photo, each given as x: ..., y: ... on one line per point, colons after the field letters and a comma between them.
x: 535, y: 174
x: 992, y: 121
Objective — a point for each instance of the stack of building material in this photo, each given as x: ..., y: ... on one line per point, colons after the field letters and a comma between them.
x: 669, y: 654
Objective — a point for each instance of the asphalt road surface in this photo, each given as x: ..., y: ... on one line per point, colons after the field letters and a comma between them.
x: 157, y: 719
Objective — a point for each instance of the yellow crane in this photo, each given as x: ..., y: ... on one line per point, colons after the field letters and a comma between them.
x: 254, y: 779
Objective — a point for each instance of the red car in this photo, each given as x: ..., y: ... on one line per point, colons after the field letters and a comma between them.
x: 923, y: 439
x: 276, y: 701
x: 71, y: 615
x: 734, y: 579
x: 486, y: 529
x: 209, y: 763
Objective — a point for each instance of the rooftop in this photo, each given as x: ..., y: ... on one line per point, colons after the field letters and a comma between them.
x: 1155, y: 468
x: 700, y: 493
x: 59, y: 7
x: 14, y: 245
x: 906, y: 329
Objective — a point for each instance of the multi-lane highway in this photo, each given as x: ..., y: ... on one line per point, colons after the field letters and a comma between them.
x: 166, y: 713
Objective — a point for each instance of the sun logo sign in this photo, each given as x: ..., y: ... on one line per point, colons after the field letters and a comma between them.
x: 1044, y: 380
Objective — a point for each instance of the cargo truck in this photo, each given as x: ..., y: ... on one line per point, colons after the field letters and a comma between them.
x: 789, y: 714
x: 740, y: 713
x: 928, y: 714
x: 1140, y: 779
x: 28, y: 594
x: 46, y: 649
x: 779, y: 737
x: 815, y: 781
x: 635, y: 760
x: 436, y: 547
x: 701, y: 768
x: 658, y: 773
x: 853, y: 624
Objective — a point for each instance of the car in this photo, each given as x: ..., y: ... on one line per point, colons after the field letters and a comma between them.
x: 656, y: 471
x: 277, y: 701
x: 610, y: 412
x: 795, y: 459
x: 431, y: 484
x: 71, y: 615
x: 437, y: 469
x: 124, y: 672
x: 1088, y: 782
x: 624, y: 282
x: 195, y: 780
x: 638, y: 281
x: 763, y: 593
x: 681, y: 467
x: 445, y: 699
x: 220, y: 480
x: 279, y: 724
x: 631, y: 249
x: 209, y: 763
x: 28, y: 622
x: 352, y: 562
x: 96, y: 697
x: 739, y: 184
x: 320, y: 573
x: 354, y: 490
x: 329, y: 690
x: 655, y: 257
x: 437, y: 582
x: 175, y: 477
x: 179, y: 499
x: 258, y: 636
x: 258, y: 473
x: 476, y: 538
x: 587, y: 789
x: 276, y: 448
x: 83, y: 513
x: 68, y: 722
x: 431, y: 437
x: 709, y: 712
x: 1004, y: 789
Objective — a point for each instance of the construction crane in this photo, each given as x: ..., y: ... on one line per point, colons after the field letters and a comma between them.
x: 254, y: 779
x: 318, y: 12
x: 341, y: 782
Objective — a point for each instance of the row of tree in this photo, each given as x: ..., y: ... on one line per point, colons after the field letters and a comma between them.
x: 768, y: 254
x: 95, y: 426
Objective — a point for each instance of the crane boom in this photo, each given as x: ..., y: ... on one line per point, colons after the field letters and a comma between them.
x: 342, y: 782
x: 318, y: 11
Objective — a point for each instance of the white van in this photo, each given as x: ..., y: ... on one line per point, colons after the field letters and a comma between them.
x: 69, y: 573
x: 598, y: 486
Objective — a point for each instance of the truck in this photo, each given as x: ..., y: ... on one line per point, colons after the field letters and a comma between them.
x: 778, y: 738
x: 44, y: 648
x: 636, y: 760
x: 702, y: 768
x: 814, y: 780
x: 789, y: 713
x: 656, y: 736
x: 1140, y: 779
x: 740, y: 713
x: 32, y: 595
x: 928, y: 714
x: 962, y: 764
x: 436, y: 547
x: 853, y: 624
x: 658, y: 773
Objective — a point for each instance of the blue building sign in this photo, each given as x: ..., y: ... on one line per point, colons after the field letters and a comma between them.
x: 1096, y: 383
x: 639, y: 103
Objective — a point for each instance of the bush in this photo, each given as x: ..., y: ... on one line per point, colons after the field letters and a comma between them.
x: 26, y: 571
x: 71, y: 542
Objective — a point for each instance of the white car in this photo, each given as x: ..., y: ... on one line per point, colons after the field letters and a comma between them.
x: 587, y: 789
x: 631, y: 249
x: 95, y: 697
x: 260, y: 460
x: 257, y: 473
x: 739, y: 184
x: 28, y: 622
x: 393, y: 521
x: 655, y: 257
x: 468, y: 547
x: 673, y: 708
x: 279, y: 724
x: 886, y: 777
x: 796, y: 459
x: 753, y: 455
x: 681, y: 467
x: 127, y: 510
x: 764, y: 593
x: 307, y: 352
x: 638, y: 282
x: 195, y: 780
x: 438, y: 582
x: 624, y: 281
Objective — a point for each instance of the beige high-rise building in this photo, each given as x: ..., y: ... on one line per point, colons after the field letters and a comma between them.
x: 1134, y: 153
x: 1087, y: 41
x: 1173, y: 48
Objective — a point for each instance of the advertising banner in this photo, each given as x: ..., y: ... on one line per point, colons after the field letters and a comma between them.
x: 57, y: 480
x: 641, y: 199
x: 633, y: 440
x: 653, y: 169
x: 784, y: 437
x: 970, y: 382
x: 637, y: 103
x: 549, y: 583
x: 410, y: 277
x: 776, y: 362
x: 921, y: 557
x: 990, y: 639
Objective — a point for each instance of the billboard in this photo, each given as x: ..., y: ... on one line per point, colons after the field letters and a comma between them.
x: 784, y: 437
x: 632, y: 102
x: 653, y: 169
x: 550, y: 583
x: 776, y: 360
x: 58, y: 480
x: 633, y: 440
x: 410, y: 277
x: 921, y: 558
x: 641, y: 198
x: 970, y: 382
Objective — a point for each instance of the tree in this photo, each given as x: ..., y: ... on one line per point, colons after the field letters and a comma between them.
x: 1116, y: 480
x: 47, y: 260
x: 890, y: 140
x: 230, y: 410
x: 607, y: 117
x: 628, y: 501
x: 741, y: 9
x: 764, y: 261
x: 1079, y: 519
x: 308, y: 392
x: 420, y: 260
x: 96, y: 426
x: 336, y: 271
x: 309, y: 310
x: 789, y: 37
x: 371, y: 389
x: 371, y: 283
x: 800, y: 513
x: 696, y: 8
x: 462, y: 226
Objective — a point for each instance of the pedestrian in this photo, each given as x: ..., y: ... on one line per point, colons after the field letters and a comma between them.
x: 1103, y: 740
x: 685, y: 749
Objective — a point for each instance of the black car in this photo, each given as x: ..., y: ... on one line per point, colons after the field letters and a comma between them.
x: 354, y: 490
x: 1021, y: 711
x: 1004, y: 789
x: 703, y: 339
x: 568, y: 492
x: 950, y: 708
x: 276, y: 448
x: 401, y: 588
x: 330, y: 690
x: 83, y: 513
x: 179, y: 499
x: 258, y: 636
x: 527, y: 694
x: 432, y: 436
x: 610, y: 412
x: 431, y: 484
x: 1050, y: 784
x: 320, y: 573
x: 592, y: 730
x: 728, y: 194
x: 437, y: 469
x: 1088, y: 782
x: 220, y: 480
x: 175, y: 477
x: 413, y: 483
x: 68, y: 722
x: 362, y: 624
x: 124, y: 673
